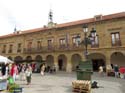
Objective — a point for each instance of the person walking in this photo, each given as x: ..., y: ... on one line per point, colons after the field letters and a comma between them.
x: 22, y: 73
x: 28, y: 74
x: 14, y: 71
x: 42, y: 69
x: 101, y: 70
x: 3, y: 69
x: 116, y: 70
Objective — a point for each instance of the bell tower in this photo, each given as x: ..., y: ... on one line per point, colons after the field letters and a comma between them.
x: 50, y: 19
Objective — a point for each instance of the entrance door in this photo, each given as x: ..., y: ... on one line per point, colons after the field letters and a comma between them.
x: 60, y: 64
x: 97, y: 63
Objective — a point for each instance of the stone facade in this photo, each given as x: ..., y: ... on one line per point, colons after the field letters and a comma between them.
x: 58, y: 45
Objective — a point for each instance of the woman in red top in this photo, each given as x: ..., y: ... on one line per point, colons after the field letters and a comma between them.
x: 14, y: 71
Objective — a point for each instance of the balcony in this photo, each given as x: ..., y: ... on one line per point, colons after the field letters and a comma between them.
x: 4, y: 51
x: 38, y: 50
x: 10, y: 51
x: 95, y: 46
x: 117, y: 43
x: 19, y: 50
x: 46, y: 49
x: 31, y: 50
x: 63, y: 47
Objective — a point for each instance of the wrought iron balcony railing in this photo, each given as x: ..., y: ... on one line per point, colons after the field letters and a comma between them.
x: 117, y: 43
x: 4, y: 51
x: 19, y: 50
x: 94, y: 45
x: 52, y: 49
x: 10, y: 51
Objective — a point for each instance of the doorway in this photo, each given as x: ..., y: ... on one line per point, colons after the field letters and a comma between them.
x: 97, y: 63
x: 60, y: 64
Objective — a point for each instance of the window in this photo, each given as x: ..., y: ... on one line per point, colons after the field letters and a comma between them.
x: 95, y: 41
x: 62, y: 42
x: 50, y: 42
x: 39, y: 44
x: 29, y: 46
x: 19, y: 47
x: 76, y: 40
x: 4, y: 49
x: 116, y: 39
x: 10, y: 48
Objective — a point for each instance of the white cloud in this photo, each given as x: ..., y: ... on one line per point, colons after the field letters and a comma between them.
x: 27, y: 14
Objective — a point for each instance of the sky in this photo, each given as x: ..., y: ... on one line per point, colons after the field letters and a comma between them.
x: 30, y: 14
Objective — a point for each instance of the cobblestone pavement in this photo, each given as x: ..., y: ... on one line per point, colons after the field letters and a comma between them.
x: 61, y: 82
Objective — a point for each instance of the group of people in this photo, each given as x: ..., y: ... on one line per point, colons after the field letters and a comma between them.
x: 24, y: 71
x: 47, y: 69
x: 17, y: 70
x: 119, y: 72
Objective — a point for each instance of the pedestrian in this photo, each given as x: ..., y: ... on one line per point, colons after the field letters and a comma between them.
x: 3, y: 70
x: 42, y: 69
x: 112, y: 66
x: 116, y: 70
x: 14, y: 71
x: 54, y: 68
x: 101, y: 70
x: 48, y: 69
x: 28, y: 74
x: 7, y: 70
x: 22, y: 73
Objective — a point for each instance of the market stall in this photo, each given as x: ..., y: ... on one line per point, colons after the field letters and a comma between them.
x: 3, y: 78
x: 5, y: 60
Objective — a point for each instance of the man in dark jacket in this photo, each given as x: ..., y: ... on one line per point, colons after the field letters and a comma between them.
x: 116, y: 70
x: 3, y: 70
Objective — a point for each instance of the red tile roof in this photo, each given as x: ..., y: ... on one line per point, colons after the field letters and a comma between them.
x: 106, y: 17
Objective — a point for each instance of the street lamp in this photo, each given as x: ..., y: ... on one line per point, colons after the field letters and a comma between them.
x: 88, y: 39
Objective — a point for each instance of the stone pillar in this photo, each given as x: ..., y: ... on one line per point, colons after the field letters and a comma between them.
x: 108, y: 63
x: 69, y: 65
x: 56, y: 63
x: 44, y: 58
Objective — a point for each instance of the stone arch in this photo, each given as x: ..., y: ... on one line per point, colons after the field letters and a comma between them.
x: 118, y: 58
x: 29, y: 59
x: 75, y: 60
x: 38, y: 58
x: 97, y: 60
x: 18, y: 59
x: 49, y: 60
x: 62, y: 62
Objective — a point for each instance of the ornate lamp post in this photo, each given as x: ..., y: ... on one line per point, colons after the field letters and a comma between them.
x: 85, y: 68
x: 88, y: 39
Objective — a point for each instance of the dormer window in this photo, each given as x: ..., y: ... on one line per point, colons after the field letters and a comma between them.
x: 98, y: 17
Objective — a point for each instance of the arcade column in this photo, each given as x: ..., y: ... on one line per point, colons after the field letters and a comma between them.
x: 108, y: 63
x: 69, y: 65
x: 56, y: 63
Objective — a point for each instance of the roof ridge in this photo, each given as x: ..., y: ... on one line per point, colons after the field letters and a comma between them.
x: 77, y: 22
